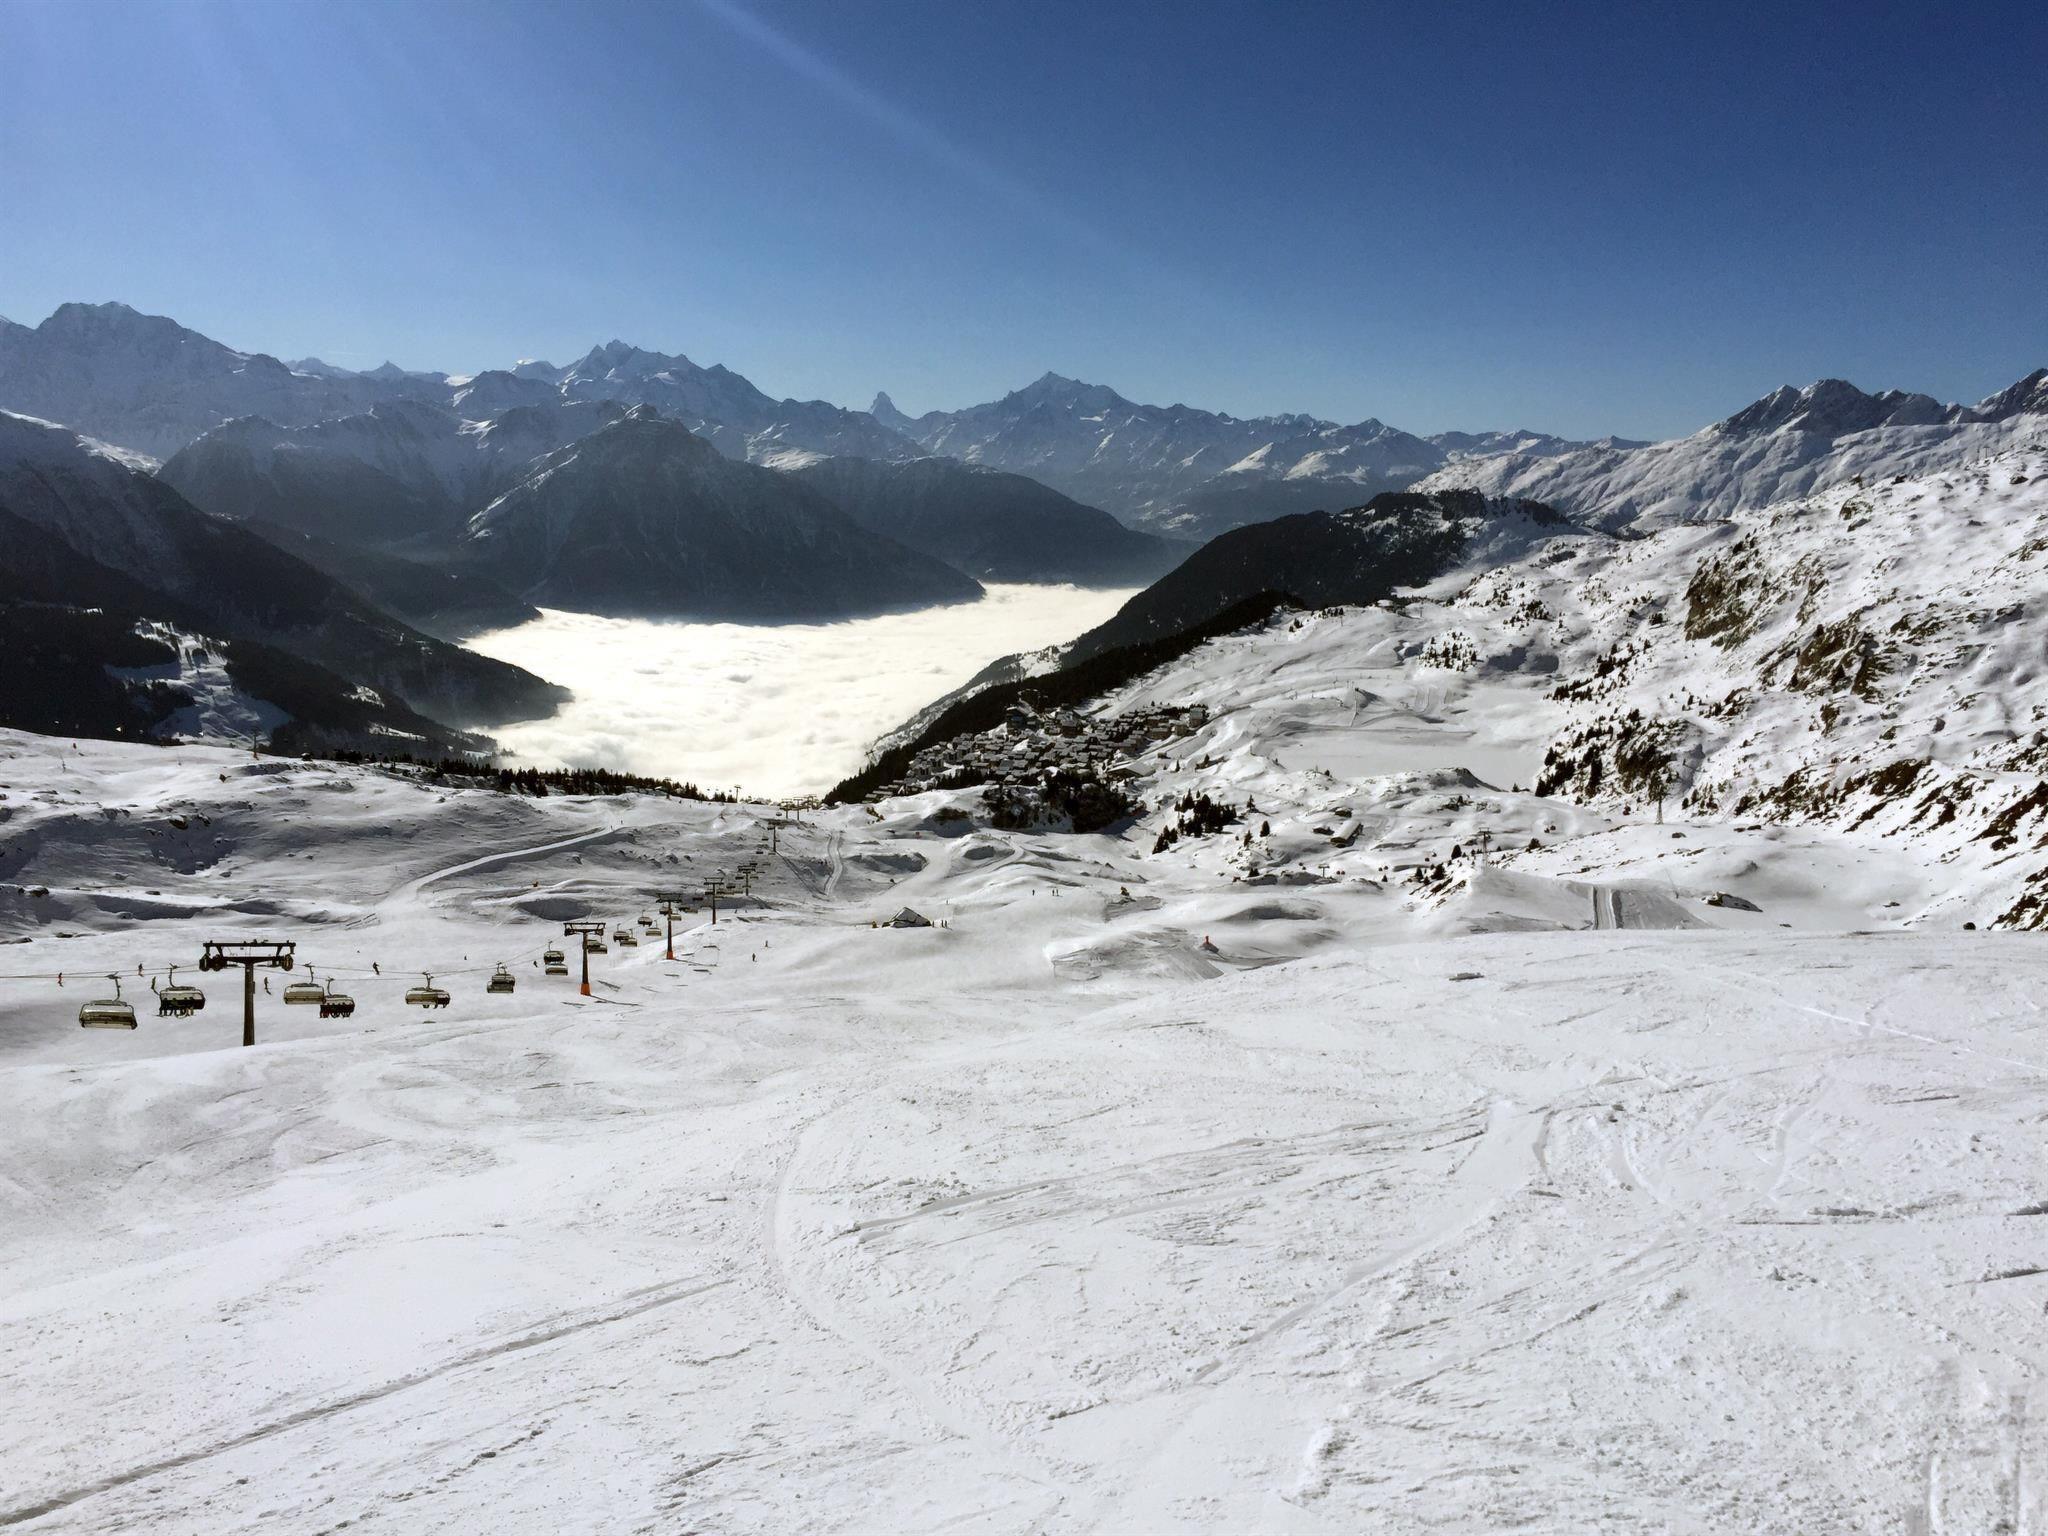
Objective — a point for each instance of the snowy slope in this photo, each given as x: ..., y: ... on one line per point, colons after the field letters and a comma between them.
x: 1789, y: 443
x: 1049, y: 1219
x: 1867, y: 662
x: 726, y: 408
x: 1315, y: 1174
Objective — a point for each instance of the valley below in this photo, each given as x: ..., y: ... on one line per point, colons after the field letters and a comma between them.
x: 779, y: 709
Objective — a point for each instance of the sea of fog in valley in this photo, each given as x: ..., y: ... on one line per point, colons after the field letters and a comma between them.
x: 780, y: 709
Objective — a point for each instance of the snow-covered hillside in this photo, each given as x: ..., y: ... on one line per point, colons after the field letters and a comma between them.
x: 1864, y: 668
x: 1134, y: 1196
x: 1789, y: 443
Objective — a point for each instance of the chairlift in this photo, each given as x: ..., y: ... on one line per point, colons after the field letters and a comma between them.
x: 625, y: 939
x: 309, y: 992
x: 108, y: 1012
x: 427, y: 995
x: 502, y: 981
x: 336, y: 1005
x: 176, y: 1001
x: 554, y: 962
x: 595, y: 944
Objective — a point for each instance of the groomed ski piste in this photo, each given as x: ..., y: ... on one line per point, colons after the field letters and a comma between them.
x: 1283, y: 1188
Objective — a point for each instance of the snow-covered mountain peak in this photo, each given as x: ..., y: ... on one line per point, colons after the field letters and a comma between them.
x: 115, y: 331
x: 2027, y: 397
x: 319, y: 368
x: 1832, y: 407
x: 388, y: 372
x: 74, y: 313
x: 1067, y: 394
x: 621, y: 359
x: 1791, y: 443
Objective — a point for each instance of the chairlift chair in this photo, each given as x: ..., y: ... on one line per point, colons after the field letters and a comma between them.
x: 177, y: 1001
x: 501, y: 981
x: 427, y: 995
x: 625, y: 939
x: 596, y: 945
x: 336, y: 1005
x: 554, y: 962
x: 108, y: 1012
x: 308, y: 991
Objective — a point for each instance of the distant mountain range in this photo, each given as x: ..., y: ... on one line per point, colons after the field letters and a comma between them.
x: 146, y: 383
x: 993, y: 525
x: 378, y: 498
x: 644, y: 517
x: 1790, y: 443
x: 1185, y: 471
x: 358, y: 520
x: 85, y: 525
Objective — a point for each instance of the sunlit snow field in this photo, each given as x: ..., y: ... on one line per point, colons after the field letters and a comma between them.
x: 779, y: 708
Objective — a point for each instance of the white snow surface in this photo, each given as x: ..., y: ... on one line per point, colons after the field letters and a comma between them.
x: 1232, y: 1188
x: 1678, y: 1175
x: 219, y: 711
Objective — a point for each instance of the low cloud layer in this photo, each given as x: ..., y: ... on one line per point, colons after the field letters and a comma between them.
x: 780, y: 709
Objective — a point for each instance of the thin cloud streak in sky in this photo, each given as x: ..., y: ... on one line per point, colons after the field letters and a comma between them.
x: 922, y: 137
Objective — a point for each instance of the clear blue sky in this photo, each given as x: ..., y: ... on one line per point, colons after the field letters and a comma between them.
x: 1580, y: 218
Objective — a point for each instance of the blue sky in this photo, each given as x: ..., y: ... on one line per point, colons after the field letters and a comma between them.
x: 1586, y: 218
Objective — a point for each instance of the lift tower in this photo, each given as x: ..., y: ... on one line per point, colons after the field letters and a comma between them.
x: 272, y: 954
x: 714, y: 888
x: 583, y: 932
x: 671, y: 903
